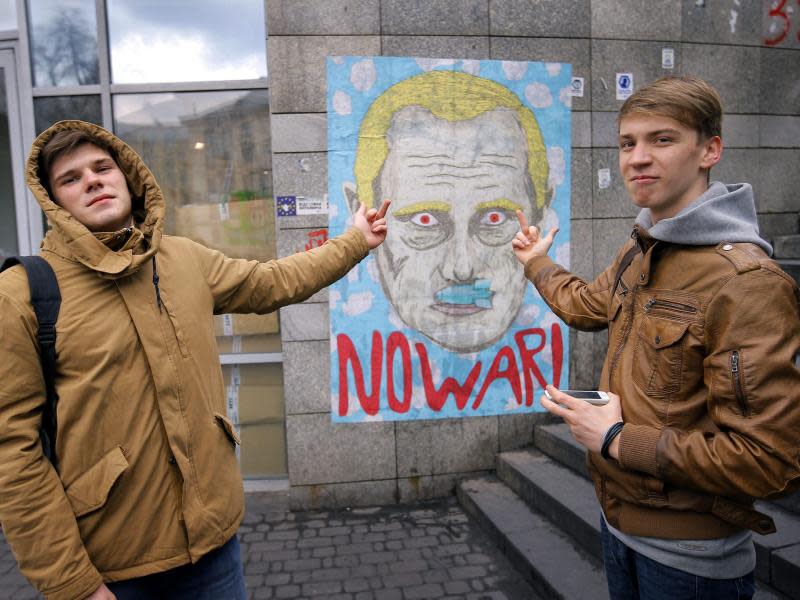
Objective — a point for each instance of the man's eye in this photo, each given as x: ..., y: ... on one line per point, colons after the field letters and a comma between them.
x: 493, y: 217
x: 625, y: 145
x: 424, y: 219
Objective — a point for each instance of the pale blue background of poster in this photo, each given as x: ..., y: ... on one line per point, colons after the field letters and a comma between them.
x: 555, y: 125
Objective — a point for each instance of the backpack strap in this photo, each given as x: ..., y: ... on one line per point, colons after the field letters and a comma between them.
x: 626, y: 261
x: 46, y: 302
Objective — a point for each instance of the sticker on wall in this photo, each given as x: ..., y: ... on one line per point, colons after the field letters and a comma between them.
x: 224, y: 211
x: 576, y: 87
x: 306, y: 205
x: 668, y: 58
x: 439, y: 321
x: 624, y: 85
x: 603, y: 178
x: 286, y: 206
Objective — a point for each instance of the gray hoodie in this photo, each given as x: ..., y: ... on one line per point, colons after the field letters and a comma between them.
x: 723, y: 213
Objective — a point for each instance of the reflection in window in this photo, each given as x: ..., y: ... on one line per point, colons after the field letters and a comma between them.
x: 63, y: 36
x: 174, y: 40
x: 216, y: 182
x: 50, y: 109
x: 8, y: 15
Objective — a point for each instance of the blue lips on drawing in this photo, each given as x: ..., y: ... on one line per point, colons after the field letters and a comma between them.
x: 477, y: 293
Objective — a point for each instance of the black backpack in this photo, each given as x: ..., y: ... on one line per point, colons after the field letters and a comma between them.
x: 46, y: 301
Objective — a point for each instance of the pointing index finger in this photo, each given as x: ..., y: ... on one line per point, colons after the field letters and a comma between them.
x: 382, y: 211
x: 523, y: 222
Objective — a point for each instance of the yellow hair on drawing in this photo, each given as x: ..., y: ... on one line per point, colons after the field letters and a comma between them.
x: 453, y: 96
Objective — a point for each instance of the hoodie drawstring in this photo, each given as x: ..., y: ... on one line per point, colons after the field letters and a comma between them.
x: 155, y: 284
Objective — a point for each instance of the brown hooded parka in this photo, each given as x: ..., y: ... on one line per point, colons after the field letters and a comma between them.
x: 148, y: 478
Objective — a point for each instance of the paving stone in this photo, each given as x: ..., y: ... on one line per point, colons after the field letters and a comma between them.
x: 337, y: 572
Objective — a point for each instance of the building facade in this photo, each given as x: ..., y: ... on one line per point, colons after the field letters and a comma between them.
x: 227, y: 104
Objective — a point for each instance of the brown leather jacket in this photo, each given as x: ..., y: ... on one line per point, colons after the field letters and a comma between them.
x: 702, y: 347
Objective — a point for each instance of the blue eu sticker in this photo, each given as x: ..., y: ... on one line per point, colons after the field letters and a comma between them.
x: 287, y: 206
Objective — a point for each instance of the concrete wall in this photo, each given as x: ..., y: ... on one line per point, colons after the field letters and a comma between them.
x: 720, y: 40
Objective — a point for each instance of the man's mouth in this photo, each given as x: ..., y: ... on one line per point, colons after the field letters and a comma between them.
x: 464, y: 299
x: 100, y: 198
x: 644, y: 178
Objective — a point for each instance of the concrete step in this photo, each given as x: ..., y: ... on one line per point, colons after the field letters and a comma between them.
x: 778, y: 554
x: 785, y: 565
x: 568, y: 500
x: 564, y: 497
x: 557, y: 442
x: 550, y: 560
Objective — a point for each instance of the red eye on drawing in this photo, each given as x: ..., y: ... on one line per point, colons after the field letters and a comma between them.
x: 424, y: 219
x: 493, y: 217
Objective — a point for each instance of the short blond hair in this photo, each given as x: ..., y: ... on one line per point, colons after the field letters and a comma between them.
x: 450, y: 95
x: 689, y: 100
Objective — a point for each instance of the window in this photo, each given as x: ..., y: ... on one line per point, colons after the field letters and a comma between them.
x: 185, y: 84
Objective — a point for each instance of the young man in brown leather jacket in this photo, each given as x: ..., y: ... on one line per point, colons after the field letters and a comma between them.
x: 704, y: 335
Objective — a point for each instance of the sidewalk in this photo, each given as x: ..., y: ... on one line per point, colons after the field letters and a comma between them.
x: 425, y: 550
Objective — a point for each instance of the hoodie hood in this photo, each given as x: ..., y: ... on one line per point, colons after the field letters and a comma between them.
x: 723, y: 213
x: 70, y: 239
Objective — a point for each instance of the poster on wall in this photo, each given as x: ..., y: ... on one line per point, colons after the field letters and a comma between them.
x: 440, y: 321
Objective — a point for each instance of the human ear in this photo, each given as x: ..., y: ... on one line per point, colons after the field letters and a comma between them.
x: 350, y: 196
x: 712, y: 152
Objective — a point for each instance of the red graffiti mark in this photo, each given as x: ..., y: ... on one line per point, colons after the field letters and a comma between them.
x: 316, y: 238
x: 779, y: 10
x: 514, y: 365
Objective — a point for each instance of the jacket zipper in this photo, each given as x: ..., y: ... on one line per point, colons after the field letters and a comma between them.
x: 738, y: 388
x: 656, y: 303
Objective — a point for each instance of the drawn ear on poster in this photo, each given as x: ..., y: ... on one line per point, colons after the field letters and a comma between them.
x: 350, y: 196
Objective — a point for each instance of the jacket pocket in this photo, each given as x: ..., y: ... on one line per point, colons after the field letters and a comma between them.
x: 90, y: 490
x: 658, y: 357
x: 229, y: 428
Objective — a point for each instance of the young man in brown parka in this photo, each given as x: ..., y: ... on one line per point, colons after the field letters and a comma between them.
x: 148, y: 494
x: 704, y: 337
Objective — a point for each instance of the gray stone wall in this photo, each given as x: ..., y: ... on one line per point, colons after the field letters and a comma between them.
x: 720, y: 40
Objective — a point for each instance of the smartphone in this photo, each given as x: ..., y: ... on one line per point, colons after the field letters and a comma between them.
x: 595, y: 397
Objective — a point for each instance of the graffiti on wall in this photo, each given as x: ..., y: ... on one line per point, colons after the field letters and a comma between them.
x: 782, y: 22
x: 440, y: 320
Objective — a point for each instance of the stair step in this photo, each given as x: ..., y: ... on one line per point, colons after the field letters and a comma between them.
x: 786, y: 571
x: 553, y: 563
x: 569, y: 501
x: 564, y: 497
x: 775, y: 550
x: 557, y: 442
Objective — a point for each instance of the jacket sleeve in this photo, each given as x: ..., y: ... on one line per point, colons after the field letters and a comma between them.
x: 755, y: 405
x: 579, y: 304
x: 36, y: 515
x: 247, y: 286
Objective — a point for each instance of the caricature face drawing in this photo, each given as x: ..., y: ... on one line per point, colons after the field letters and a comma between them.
x: 446, y: 266
x: 455, y: 183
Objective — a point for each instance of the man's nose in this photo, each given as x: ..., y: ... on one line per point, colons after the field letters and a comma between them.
x: 459, y: 264
x: 640, y: 155
x: 91, y: 178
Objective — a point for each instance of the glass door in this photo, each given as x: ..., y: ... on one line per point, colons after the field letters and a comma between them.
x: 15, y: 214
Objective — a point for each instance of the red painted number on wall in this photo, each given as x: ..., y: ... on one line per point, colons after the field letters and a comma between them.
x: 780, y: 22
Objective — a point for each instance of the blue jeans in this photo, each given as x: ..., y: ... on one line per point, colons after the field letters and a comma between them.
x: 632, y: 576
x: 216, y: 576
